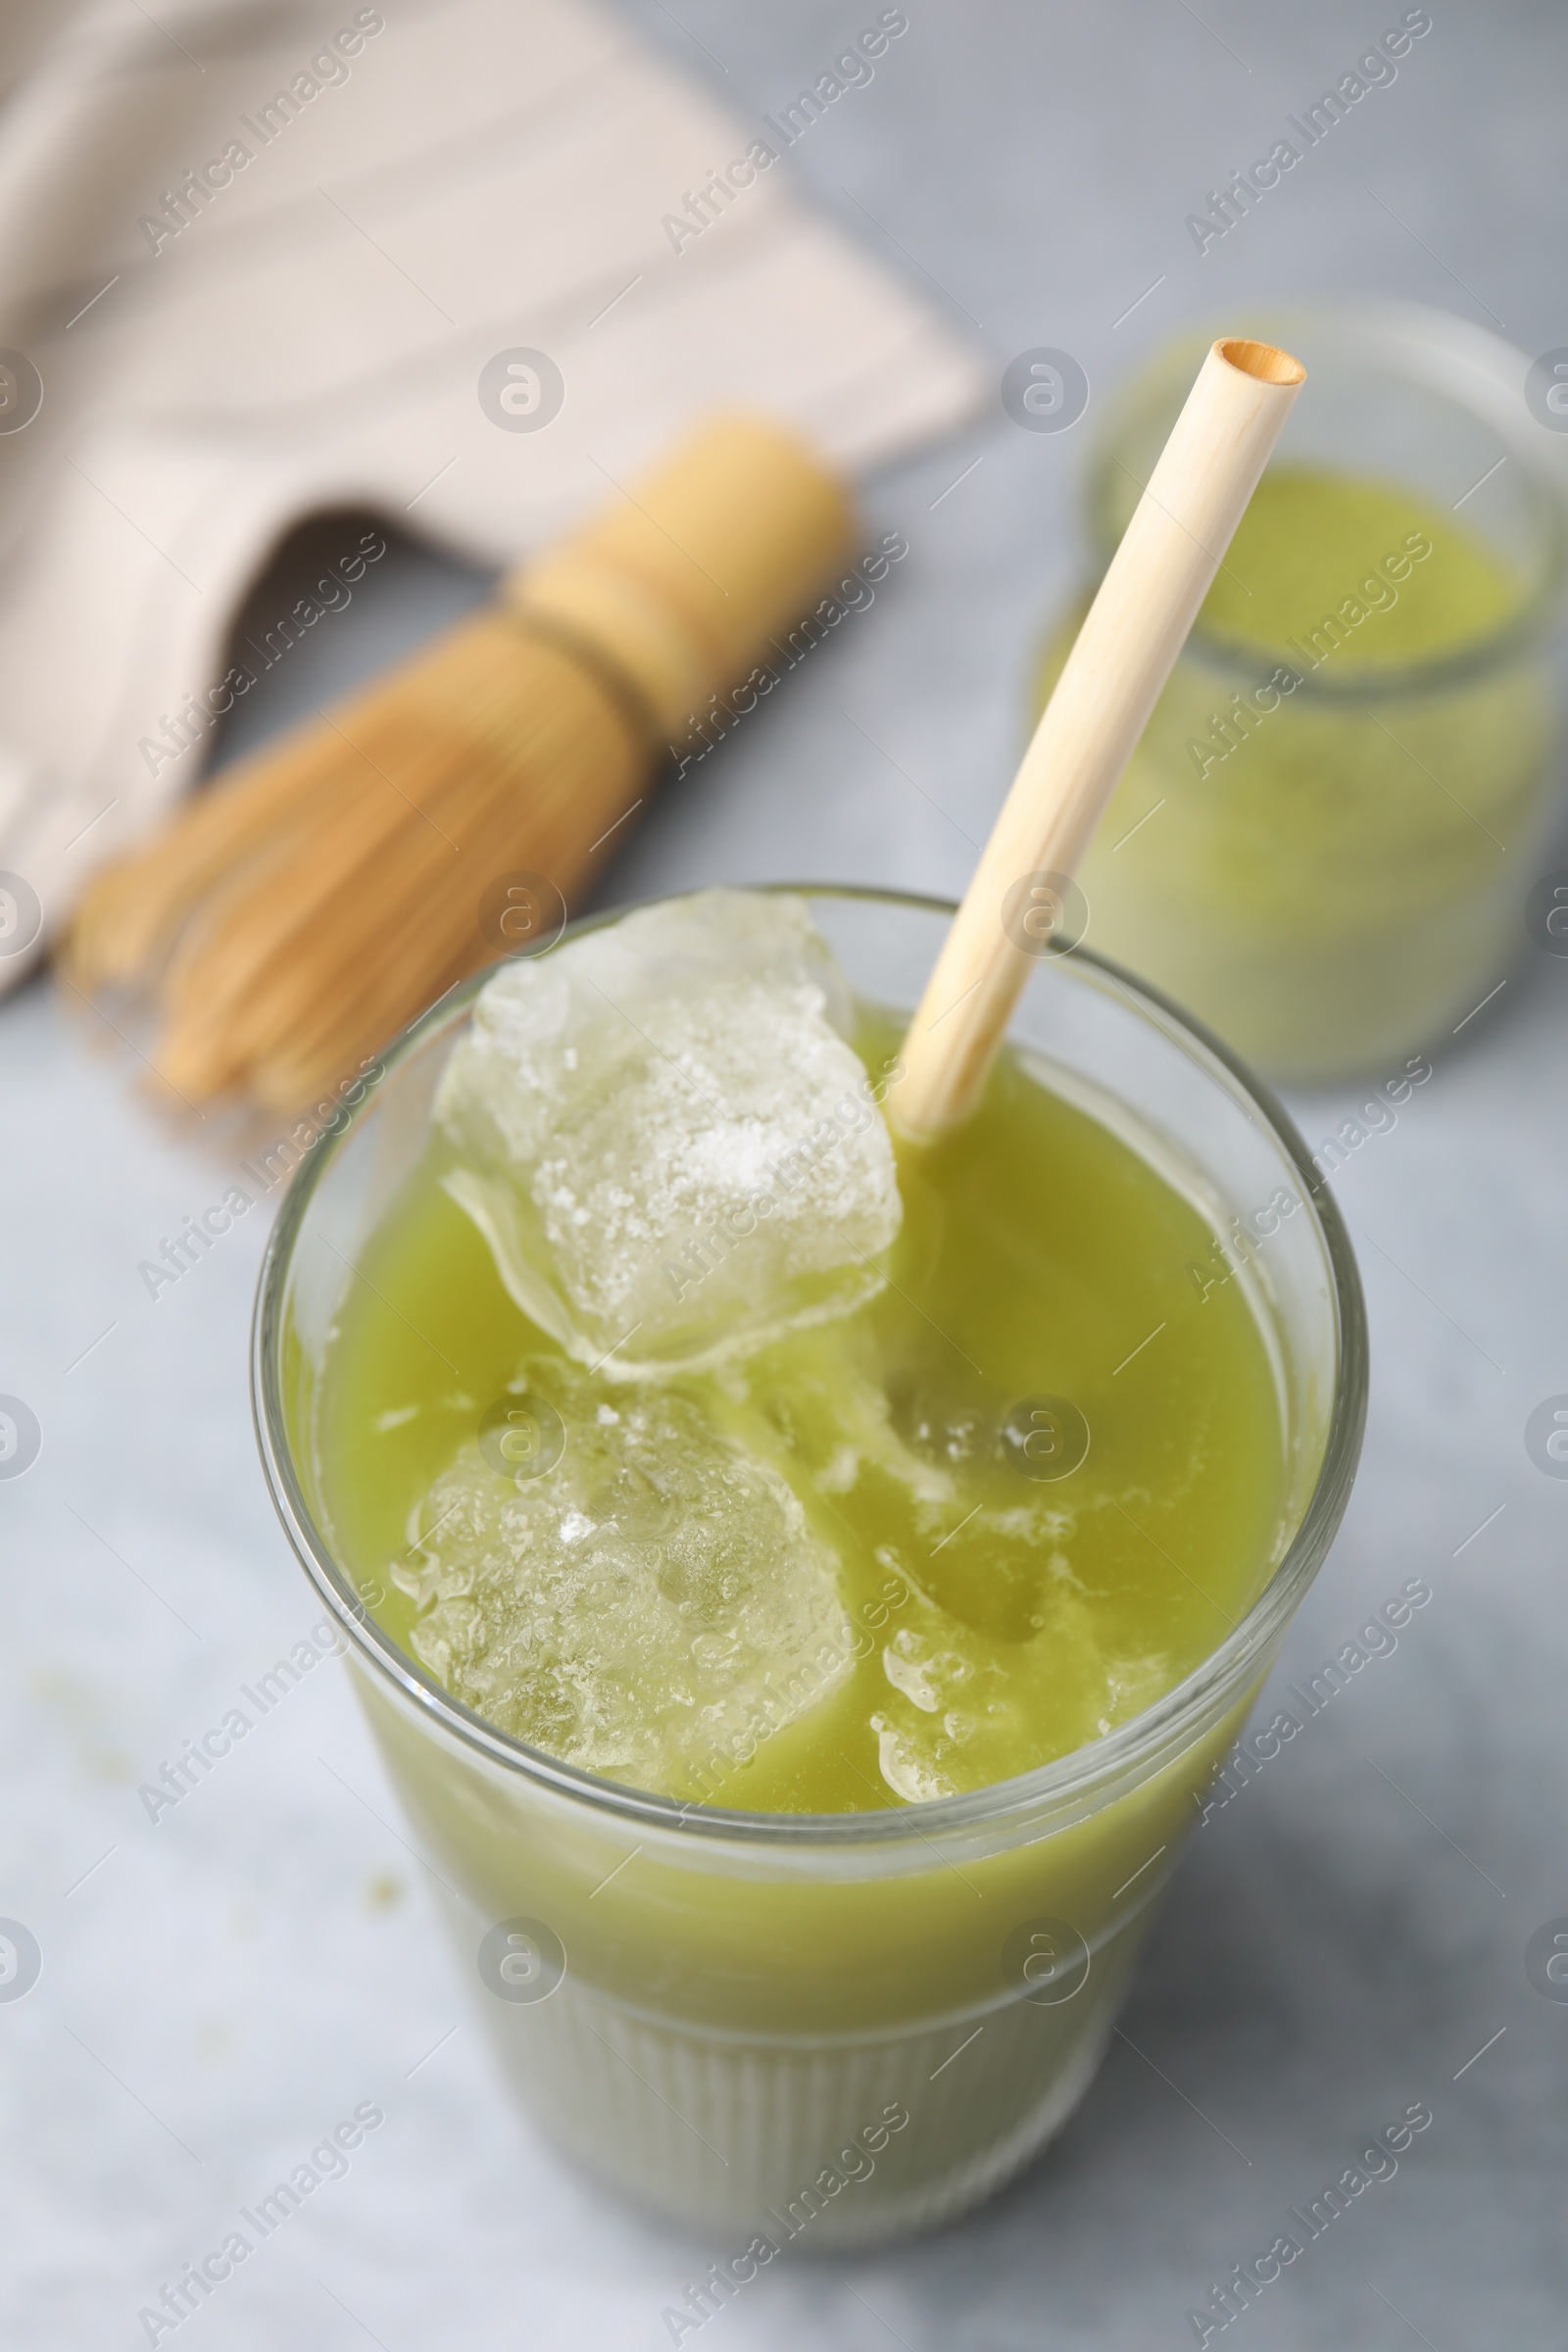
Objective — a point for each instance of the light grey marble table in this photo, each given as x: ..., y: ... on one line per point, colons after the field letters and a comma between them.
x: 221, y: 1987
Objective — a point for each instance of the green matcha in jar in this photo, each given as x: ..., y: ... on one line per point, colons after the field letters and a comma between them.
x: 1323, y: 841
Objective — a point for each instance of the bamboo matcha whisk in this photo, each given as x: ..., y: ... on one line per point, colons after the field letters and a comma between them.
x: 292, y: 919
x: 1014, y: 907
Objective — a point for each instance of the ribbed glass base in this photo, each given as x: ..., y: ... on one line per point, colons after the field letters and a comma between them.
x: 842, y: 2141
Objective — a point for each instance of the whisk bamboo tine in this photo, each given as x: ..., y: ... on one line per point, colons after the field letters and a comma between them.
x: 245, y: 931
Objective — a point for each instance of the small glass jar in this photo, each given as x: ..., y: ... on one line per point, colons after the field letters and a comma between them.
x: 1328, y: 859
x: 847, y: 2026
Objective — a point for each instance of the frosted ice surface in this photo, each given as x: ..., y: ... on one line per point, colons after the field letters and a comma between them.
x: 651, y: 1607
x: 665, y: 1138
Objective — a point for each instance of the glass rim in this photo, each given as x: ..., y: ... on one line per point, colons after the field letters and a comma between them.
x: 1056, y: 1784
x: 1391, y: 329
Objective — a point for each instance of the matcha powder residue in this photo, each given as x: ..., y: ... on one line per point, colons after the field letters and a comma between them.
x: 1401, y: 582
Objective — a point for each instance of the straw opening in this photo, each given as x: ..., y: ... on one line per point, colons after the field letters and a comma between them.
x: 1264, y: 361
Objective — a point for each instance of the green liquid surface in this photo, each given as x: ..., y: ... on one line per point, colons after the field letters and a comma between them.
x: 992, y: 1616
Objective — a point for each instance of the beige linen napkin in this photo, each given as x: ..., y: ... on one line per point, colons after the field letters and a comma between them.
x: 262, y: 260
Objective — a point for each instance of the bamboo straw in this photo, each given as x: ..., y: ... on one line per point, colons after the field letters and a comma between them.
x: 1019, y: 905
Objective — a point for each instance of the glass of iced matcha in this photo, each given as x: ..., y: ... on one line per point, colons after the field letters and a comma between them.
x: 802, y: 1586
x: 1323, y: 840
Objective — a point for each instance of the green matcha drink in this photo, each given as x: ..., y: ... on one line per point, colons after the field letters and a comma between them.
x: 1323, y: 842
x: 803, y: 1589
x: 966, y: 1613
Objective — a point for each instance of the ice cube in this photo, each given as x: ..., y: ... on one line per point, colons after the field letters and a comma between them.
x: 666, y: 1139
x: 650, y: 1605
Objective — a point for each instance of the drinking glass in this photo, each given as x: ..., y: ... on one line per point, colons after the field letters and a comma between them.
x: 850, y: 2026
